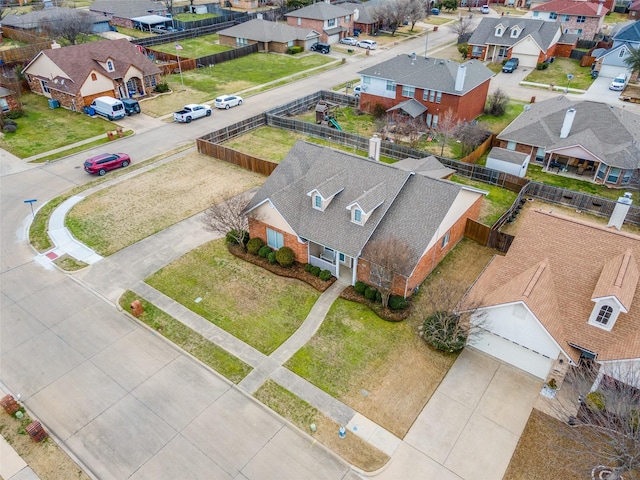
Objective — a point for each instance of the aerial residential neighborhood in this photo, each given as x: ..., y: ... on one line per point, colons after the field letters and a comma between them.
x: 339, y: 240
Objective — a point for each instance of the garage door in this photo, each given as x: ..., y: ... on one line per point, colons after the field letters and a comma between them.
x: 512, y: 353
x: 527, y: 60
x: 611, y: 71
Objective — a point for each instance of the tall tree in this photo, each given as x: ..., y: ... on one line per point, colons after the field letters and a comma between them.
x: 633, y: 60
x: 387, y: 258
x: 463, y: 26
x: 415, y: 12
x: 447, y: 126
x: 391, y: 13
x: 71, y: 25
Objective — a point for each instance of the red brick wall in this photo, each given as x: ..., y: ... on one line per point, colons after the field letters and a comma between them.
x: 318, y: 25
x: 259, y: 229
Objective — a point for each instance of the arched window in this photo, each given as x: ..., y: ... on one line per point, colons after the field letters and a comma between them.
x: 94, y: 77
x: 604, y: 315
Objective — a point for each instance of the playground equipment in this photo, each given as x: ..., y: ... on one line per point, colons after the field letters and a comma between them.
x: 326, y: 114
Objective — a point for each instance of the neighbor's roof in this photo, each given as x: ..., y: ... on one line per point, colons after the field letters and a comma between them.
x: 265, y: 31
x: 411, y: 207
x: 556, y: 265
x: 151, y: 19
x: 321, y: 11
x: 610, y: 133
x: 364, y: 11
x: 428, y: 166
x: 430, y: 73
x: 569, y: 7
x: 540, y: 31
x: 78, y: 61
x: 628, y: 33
x: 509, y: 156
x: 128, y: 8
x: 411, y: 107
x: 34, y: 18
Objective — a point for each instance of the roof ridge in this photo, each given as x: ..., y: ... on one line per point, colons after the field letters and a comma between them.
x: 624, y: 265
x: 536, y: 276
x: 585, y: 223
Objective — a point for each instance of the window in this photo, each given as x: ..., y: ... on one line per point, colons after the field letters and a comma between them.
x: 390, y: 86
x: 511, y: 145
x: 274, y: 239
x: 604, y: 315
x: 432, y: 96
x: 434, y: 123
x: 4, y: 104
x: 45, y: 89
x: 514, y: 33
x: 290, y: 43
x: 445, y: 240
x: 614, y: 175
x: 341, y: 257
x: 241, y: 42
x: 601, y: 170
x: 357, y: 215
x: 317, y: 202
x: 581, y: 19
x: 110, y: 66
x: 408, y: 91
x: 499, y: 32
x: 553, y: 15
x: 429, y: 119
x: 536, y: 14
x: 347, y: 18
x: 94, y: 77
x: 622, y: 52
x: 626, y: 176
x: 564, y: 18
x: 299, y: 20
x: 476, y: 51
x: 540, y: 154
x: 579, y: 31
x: 331, y: 22
x: 438, y: 97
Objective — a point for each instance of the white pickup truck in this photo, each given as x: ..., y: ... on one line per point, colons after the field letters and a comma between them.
x: 191, y: 112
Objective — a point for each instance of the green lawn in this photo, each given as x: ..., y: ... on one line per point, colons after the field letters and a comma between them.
x: 254, y: 305
x: 557, y: 74
x: 134, y: 32
x: 498, y: 201
x: 194, y: 17
x: 536, y: 173
x: 193, y: 47
x: 42, y: 129
x: 497, y: 124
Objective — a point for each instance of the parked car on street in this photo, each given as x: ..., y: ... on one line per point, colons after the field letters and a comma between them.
x: 321, y: 47
x: 368, y: 44
x: 511, y: 65
x: 435, y: 11
x: 101, y: 164
x: 618, y: 83
x: 349, y: 41
x: 227, y: 101
x: 191, y: 112
x: 485, y: 9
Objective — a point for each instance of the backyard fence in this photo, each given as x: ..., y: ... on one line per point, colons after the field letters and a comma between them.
x: 25, y: 54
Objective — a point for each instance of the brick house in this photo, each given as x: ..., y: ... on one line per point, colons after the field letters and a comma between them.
x: 8, y: 100
x: 332, y: 21
x: 327, y: 205
x: 585, y: 138
x: 426, y: 86
x: 612, y: 61
x: 140, y: 14
x: 531, y: 41
x: 582, y: 18
x: 565, y: 292
x: 270, y: 36
x: 77, y: 74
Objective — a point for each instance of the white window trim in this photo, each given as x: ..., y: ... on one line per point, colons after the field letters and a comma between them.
x: 599, y: 305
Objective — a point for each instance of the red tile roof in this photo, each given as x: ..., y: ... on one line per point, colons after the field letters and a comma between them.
x: 568, y: 7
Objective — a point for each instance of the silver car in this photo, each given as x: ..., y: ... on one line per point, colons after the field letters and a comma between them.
x: 349, y: 41
x: 227, y: 101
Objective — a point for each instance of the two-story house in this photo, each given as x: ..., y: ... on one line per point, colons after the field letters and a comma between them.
x: 141, y: 14
x: 578, y: 17
x: 426, y: 86
x: 611, y: 62
x: 531, y: 41
x: 332, y: 21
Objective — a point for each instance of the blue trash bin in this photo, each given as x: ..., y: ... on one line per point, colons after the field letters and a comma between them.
x: 53, y: 103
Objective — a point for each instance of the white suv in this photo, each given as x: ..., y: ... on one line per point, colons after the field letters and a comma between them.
x: 619, y: 82
x: 368, y: 44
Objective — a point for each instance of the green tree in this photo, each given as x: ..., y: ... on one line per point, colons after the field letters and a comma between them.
x: 449, y: 5
x: 633, y: 60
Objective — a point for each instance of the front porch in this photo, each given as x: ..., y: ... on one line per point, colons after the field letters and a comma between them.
x: 338, y: 263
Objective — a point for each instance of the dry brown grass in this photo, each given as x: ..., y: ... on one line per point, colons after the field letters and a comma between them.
x: 131, y: 210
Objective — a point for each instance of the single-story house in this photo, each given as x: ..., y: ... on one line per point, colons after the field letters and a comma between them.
x: 582, y: 18
x: 36, y: 19
x: 8, y: 100
x: 565, y: 293
x: 597, y: 141
x: 140, y: 14
x: 328, y: 205
x: 426, y: 86
x: 332, y: 21
x: 531, y: 41
x: 508, y: 161
x: 77, y: 74
x: 270, y: 36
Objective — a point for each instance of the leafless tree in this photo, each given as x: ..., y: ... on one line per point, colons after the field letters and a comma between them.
x: 71, y: 25
x: 411, y: 128
x: 463, y: 26
x: 604, y: 415
x: 470, y: 134
x: 387, y: 258
x: 497, y: 103
x: 447, y: 125
x: 168, y: 5
x: 415, y: 12
x: 391, y: 13
x: 228, y: 218
x: 447, y: 323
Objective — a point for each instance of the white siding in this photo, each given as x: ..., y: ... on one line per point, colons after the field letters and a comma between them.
x: 269, y: 215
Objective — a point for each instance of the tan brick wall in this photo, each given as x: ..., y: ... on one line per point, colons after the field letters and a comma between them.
x: 318, y: 25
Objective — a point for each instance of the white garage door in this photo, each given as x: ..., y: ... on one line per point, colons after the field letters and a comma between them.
x: 527, y: 60
x: 611, y: 71
x: 512, y: 353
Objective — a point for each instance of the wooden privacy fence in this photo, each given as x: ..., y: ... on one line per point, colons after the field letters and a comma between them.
x: 478, y: 152
x: 228, y: 55
x: 25, y: 54
x: 255, y: 164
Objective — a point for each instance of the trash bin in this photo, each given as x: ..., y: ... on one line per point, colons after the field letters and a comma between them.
x: 53, y: 103
x: 92, y: 111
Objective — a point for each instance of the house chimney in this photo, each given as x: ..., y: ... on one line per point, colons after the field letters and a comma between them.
x: 462, y: 72
x: 620, y: 211
x: 568, y: 122
x: 55, y: 45
x: 356, y: 14
x: 375, y: 143
x: 599, y: 9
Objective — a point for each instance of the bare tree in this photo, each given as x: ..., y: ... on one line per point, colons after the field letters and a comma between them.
x: 497, y: 103
x: 228, y: 218
x: 447, y: 126
x: 391, y: 13
x: 447, y: 324
x: 71, y: 25
x: 387, y: 258
x: 168, y: 5
x: 415, y: 12
x: 470, y: 134
x: 601, y: 403
x: 463, y: 26
x: 411, y: 128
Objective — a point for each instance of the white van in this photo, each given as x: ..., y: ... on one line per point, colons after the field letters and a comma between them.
x: 109, y: 107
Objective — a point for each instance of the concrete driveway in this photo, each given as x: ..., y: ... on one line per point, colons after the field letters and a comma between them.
x: 471, y: 425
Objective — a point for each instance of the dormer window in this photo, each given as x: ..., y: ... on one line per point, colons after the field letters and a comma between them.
x: 357, y: 215
x: 515, y: 32
x: 604, y: 315
x: 499, y: 32
x: 110, y: 66
x: 317, y: 202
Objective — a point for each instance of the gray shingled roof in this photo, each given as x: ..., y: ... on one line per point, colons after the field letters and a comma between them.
x: 428, y: 166
x: 540, y: 31
x: 604, y: 130
x: 430, y: 73
x: 320, y: 11
x: 33, y: 19
x: 411, y: 107
x: 412, y: 209
x: 127, y: 8
x: 629, y: 33
x: 265, y: 31
x: 364, y: 12
x: 509, y: 156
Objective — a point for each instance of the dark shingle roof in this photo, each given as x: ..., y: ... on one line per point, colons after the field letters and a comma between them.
x: 540, y: 31
x: 265, y: 31
x: 430, y: 73
x: 321, y: 11
x: 409, y: 207
x: 127, y: 8
x: 34, y: 18
x: 604, y: 130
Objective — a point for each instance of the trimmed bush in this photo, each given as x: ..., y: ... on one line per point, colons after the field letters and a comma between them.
x: 162, y: 87
x: 370, y: 293
x: 272, y: 258
x: 325, y: 275
x: 10, y: 129
x: 316, y: 270
x: 233, y: 236
x: 360, y: 287
x: 308, y: 267
x: 542, y: 66
x: 397, y: 302
x: 294, y: 50
x: 254, y: 245
x: 378, y: 296
x: 264, y: 251
x: 285, y: 257
x: 13, y: 114
x: 379, y: 111
x: 595, y: 401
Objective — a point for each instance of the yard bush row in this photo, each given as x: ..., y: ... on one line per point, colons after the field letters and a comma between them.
x: 396, y: 302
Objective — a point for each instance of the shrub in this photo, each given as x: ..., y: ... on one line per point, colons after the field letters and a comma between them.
x: 308, y: 267
x: 379, y: 111
x: 370, y: 293
x: 463, y: 48
x: 162, y: 87
x: 13, y: 114
x: 378, y: 296
x: 294, y: 50
x: 233, y: 236
x: 285, y: 257
x: 397, y: 302
x: 10, y: 129
x: 325, y: 275
x: 254, y: 245
x: 8, y: 121
x: 595, y: 401
x: 272, y: 258
x: 542, y: 66
x: 360, y: 287
x: 316, y: 270
x: 441, y: 330
x: 264, y: 251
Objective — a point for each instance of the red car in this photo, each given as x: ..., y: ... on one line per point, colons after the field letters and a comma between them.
x: 104, y: 162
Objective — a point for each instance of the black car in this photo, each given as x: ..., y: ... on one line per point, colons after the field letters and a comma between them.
x: 321, y: 47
